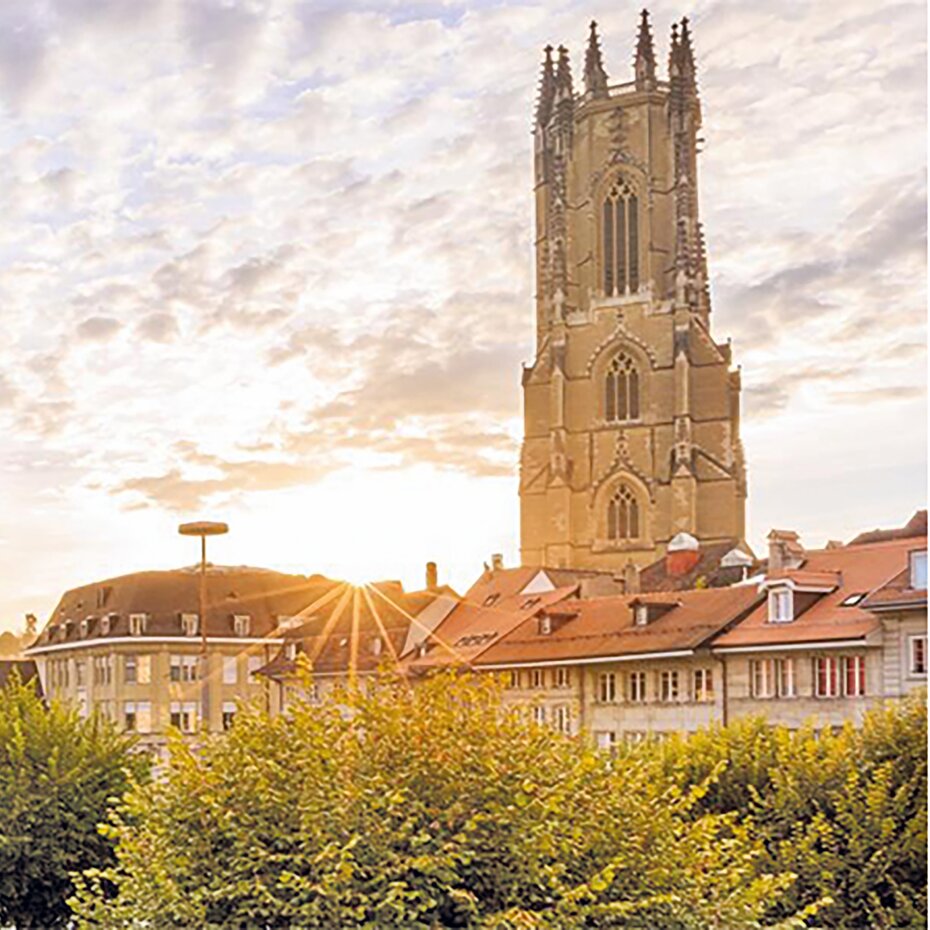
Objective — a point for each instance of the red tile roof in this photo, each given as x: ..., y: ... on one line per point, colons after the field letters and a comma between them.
x: 861, y: 569
x: 916, y: 526
x: 896, y: 593
x: 605, y: 627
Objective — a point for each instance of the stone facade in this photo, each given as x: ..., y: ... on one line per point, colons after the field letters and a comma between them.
x: 631, y: 409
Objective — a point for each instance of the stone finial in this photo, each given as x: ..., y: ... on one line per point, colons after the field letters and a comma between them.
x: 644, y: 65
x: 563, y: 74
x: 546, y: 90
x: 595, y: 77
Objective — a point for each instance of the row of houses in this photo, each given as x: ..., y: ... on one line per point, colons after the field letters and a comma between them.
x: 702, y: 635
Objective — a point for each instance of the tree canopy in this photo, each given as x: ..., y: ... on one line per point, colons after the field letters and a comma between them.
x: 59, y: 774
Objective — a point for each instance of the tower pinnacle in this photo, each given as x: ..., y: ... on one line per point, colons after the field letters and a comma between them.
x: 644, y: 64
x: 546, y: 90
x: 595, y: 77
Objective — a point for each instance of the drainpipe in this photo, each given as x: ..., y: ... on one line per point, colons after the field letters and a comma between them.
x: 724, y: 711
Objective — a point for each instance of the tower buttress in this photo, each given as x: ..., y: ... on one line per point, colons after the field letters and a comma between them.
x: 595, y: 77
x: 644, y: 64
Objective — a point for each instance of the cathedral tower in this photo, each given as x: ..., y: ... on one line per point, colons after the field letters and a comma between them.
x: 631, y: 409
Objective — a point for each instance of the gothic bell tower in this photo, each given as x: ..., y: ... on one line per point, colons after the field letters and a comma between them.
x: 631, y: 409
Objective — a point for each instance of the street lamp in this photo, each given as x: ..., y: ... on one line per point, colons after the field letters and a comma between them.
x: 203, y: 529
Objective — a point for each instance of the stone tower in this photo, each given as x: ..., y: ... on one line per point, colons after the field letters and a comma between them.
x: 631, y: 409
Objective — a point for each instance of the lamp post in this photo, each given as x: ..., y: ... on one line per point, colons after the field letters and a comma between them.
x: 203, y: 529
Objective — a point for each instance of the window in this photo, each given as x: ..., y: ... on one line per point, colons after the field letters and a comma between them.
x: 376, y: 644
x: 184, y: 668
x: 563, y: 678
x: 854, y: 675
x: 605, y: 739
x: 189, y: 624
x: 80, y: 679
x: 545, y: 625
x: 917, y: 648
x: 641, y: 615
x: 255, y: 663
x: 622, y: 515
x: 513, y: 680
x: 229, y: 714
x: 241, y: 624
x: 85, y: 628
x: 620, y: 239
x: 184, y: 716
x: 537, y: 678
x: 130, y: 670
x: 769, y: 678
x: 137, y: 624
x: 827, y: 677
x: 103, y: 670
x: 668, y: 685
x: 137, y: 716
x: 105, y: 623
x: 919, y: 570
x: 230, y: 670
x: 703, y: 681
x: 290, y: 651
x: 852, y: 600
x: 607, y: 688
x: 636, y: 687
x: 539, y: 714
x: 781, y: 608
x: 562, y: 719
x: 621, y: 390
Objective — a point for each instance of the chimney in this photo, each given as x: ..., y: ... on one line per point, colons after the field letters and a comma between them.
x: 630, y: 578
x: 682, y: 554
x: 432, y: 576
x: 785, y: 551
x: 497, y: 562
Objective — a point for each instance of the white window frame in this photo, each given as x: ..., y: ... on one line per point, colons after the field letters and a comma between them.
x: 229, y: 714
x: 254, y: 663
x: 606, y: 740
x: 537, y: 678
x: 137, y: 624
x: 186, y: 666
x: 562, y: 718
x: 184, y: 716
x: 917, y: 564
x: 190, y: 624
x: 781, y: 605
x: 545, y: 625
x: 703, y: 682
x: 606, y: 688
x: 912, y: 668
x: 669, y: 686
x: 637, y: 687
x: 242, y: 624
x: 857, y: 663
x: 539, y: 714
x: 785, y: 678
x: 230, y: 670
x: 562, y: 677
x: 833, y: 689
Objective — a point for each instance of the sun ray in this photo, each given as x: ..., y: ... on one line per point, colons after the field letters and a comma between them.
x: 374, y: 612
x: 331, y: 621
x: 353, y: 641
x: 430, y: 633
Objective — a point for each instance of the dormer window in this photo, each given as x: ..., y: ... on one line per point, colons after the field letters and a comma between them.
x: 189, y: 624
x: 137, y: 624
x: 919, y: 570
x: 641, y: 615
x: 241, y: 624
x: 376, y: 644
x: 85, y: 627
x: 781, y: 606
x: 290, y: 651
x: 106, y: 624
x: 545, y: 625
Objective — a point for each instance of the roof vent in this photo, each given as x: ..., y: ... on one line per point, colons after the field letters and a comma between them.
x: 497, y: 562
x: 736, y: 558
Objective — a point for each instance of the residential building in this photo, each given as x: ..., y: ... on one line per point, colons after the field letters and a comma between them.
x: 130, y: 647
x: 631, y: 407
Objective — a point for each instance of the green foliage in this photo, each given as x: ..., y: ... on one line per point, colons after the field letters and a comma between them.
x: 421, y: 808
x: 845, y: 811
x: 58, y: 774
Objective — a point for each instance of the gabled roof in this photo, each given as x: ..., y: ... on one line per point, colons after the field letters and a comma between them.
x: 916, y: 526
x: 604, y: 628
x: 896, y: 593
x: 706, y: 572
x: 861, y: 569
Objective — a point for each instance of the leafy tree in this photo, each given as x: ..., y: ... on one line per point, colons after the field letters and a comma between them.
x: 58, y: 773
x: 423, y: 807
x: 845, y: 811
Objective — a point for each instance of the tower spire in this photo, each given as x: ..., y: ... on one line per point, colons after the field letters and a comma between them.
x: 686, y: 57
x: 644, y: 64
x: 595, y: 77
x: 546, y: 90
x: 563, y: 74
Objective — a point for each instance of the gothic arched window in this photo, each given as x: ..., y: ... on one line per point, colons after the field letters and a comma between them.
x: 621, y: 390
x: 623, y: 515
x: 620, y: 243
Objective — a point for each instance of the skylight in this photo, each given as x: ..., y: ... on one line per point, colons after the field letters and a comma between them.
x: 851, y: 600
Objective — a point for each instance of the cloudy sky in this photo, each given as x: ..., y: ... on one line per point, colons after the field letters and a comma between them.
x: 270, y: 261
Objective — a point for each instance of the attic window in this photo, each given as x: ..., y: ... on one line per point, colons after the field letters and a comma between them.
x: 781, y: 606
x: 290, y: 651
x: 137, y: 624
x: 189, y: 624
x: 105, y: 625
x: 852, y: 600
x: 241, y: 624
x: 545, y: 625
x: 490, y: 600
x: 641, y: 614
x: 919, y: 570
x: 85, y: 627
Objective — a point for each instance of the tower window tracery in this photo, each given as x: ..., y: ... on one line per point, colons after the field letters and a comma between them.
x: 623, y: 515
x: 621, y: 390
x: 620, y: 239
